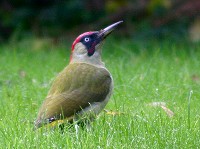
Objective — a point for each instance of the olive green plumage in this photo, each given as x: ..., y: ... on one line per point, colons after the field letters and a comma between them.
x: 78, y: 86
x: 83, y: 88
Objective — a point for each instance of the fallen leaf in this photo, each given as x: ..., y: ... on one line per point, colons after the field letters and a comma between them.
x: 113, y: 112
x: 168, y: 111
x: 163, y: 106
x: 22, y: 73
x: 195, y: 78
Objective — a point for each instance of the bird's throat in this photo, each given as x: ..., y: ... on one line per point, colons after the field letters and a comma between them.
x: 80, y: 55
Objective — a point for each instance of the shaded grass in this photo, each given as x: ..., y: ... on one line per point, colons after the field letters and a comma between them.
x: 144, y: 72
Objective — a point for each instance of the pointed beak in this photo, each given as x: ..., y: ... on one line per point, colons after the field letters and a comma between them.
x: 106, y: 31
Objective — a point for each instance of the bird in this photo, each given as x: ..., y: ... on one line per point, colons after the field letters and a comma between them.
x: 83, y: 88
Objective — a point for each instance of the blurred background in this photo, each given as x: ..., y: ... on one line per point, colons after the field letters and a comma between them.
x: 65, y: 19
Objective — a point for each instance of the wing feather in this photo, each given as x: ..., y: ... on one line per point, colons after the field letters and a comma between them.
x: 74, y: 89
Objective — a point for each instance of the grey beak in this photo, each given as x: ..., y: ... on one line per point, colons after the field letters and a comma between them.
x: 106, y: 31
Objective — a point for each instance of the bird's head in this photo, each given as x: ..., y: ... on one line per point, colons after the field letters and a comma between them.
x: 87, y: 46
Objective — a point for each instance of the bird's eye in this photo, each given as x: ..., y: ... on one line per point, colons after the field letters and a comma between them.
x: 87, y: 39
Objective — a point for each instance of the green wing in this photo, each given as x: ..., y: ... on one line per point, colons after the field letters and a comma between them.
x: 75, y: 88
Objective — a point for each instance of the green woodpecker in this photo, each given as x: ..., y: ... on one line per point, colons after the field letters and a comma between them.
x: 84, y: 86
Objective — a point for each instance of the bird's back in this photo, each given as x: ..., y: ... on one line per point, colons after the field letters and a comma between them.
x: 77, y: 87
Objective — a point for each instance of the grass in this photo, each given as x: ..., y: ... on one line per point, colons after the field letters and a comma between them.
x: 144, y: 72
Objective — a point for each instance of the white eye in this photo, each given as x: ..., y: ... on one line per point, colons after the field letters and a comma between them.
x: 87, y: 39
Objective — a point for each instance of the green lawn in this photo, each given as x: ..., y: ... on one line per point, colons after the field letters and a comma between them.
x: 144, y: 72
